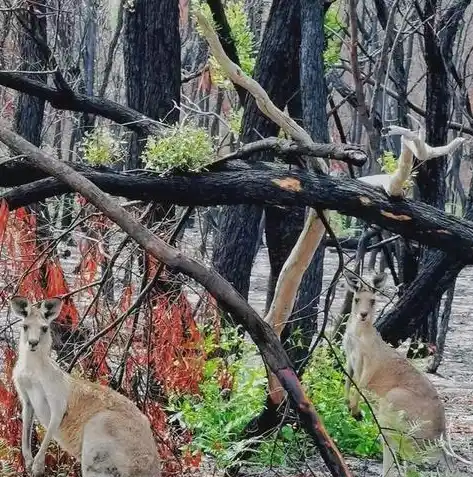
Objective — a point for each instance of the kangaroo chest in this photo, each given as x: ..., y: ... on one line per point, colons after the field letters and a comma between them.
x: 41, y: 387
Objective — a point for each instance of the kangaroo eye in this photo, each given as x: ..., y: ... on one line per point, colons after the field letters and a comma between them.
x: 44, y: 329
x: 357, y: 300
x: 372, y: 302
x: 25, y: 327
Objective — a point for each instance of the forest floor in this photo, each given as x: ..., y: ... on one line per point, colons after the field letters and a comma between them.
x: 454, y: 380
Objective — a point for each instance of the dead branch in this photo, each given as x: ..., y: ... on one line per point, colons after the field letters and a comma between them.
x: 271, y: 349
x: 413, y: 143
x: 73, y: 101
x: 268, y: 184
x: 283, y: 147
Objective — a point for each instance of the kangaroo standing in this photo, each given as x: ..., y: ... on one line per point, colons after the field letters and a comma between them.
x: 97, y: 425
x: 407, y: 397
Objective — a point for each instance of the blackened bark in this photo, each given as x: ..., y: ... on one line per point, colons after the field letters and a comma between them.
x: 72, y: 101
x: 152, y: 54
x: 29, y: 111
x: 418, y: 307
x: 313, y: 93
x: 263, y: 184
x: 235, y: 244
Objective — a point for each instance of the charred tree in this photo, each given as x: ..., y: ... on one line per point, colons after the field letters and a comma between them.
x: 314, y: 117
x: 235, y: 245
x: 29, y: 111
x: 152, y: 54
x: 416, y: 314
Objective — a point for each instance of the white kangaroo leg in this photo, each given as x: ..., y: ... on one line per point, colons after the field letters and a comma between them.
x: 27, y: 418
x: 57, y: 414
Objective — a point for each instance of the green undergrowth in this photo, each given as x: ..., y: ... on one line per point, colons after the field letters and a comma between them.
x: 220, y: 413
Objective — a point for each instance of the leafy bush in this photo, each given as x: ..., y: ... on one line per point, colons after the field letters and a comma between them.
x: 324, y: 384
x: 100, y: 148
x: 387, y: 162
x: 215, y: 419
x: 182, y: 147
x: 233, y: 392
x: 242, y: 36
x: 333, y: 27
x: 235, y: 121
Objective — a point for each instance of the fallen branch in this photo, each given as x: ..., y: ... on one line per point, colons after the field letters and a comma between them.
x: 269, y: 345
x: 413, y: 144
x: 283, y: 147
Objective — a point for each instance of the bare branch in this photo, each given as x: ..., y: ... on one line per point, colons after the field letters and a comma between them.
x: 412, y: 144
x: 284, y: 147
x: 360, y: 96
x: 72, y: 101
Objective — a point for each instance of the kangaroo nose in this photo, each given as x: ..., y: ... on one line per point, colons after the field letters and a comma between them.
x: 33, y: 343
x: 364, y: 314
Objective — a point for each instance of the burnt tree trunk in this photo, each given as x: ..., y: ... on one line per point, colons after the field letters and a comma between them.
x: 29, y: 112
x: 235, y: 245
x: 417, y: 311
x: 152, y: 54
x: 314, y: 116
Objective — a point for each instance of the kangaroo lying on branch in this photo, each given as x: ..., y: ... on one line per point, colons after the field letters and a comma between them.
x: 408, y: 402
x: 102, y: 428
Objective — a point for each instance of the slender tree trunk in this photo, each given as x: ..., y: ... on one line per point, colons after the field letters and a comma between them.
x: 29, y: 111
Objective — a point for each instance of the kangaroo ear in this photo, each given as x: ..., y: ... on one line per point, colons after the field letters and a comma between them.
x: 20, y: 306
x: 379, y: 281
x: 353, y: 281
x: 51, y: 308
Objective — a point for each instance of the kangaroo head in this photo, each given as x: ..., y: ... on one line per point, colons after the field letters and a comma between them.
x: 35, y: 333
x: 364, y: 295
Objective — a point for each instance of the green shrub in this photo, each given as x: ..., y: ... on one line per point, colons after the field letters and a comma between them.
x: 333, y: 27
x: 324, y: 384
x: 242, y: 36
x: 217, y: 417
x: 100, y: 147
x: 181, y: 147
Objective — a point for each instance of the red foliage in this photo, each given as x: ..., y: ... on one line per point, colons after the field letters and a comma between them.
x: 56, y: 285
x: 10, y: 422
x: 177, y: 355
x: 4, y: 214
x: 169, y: 346
x: 125, y: 299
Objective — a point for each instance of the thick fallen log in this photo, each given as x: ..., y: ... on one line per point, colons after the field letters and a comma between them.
x: 269, y: 184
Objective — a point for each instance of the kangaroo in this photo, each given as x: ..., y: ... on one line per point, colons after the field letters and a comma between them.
x: 408, y: 402
x: 98, y: 426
